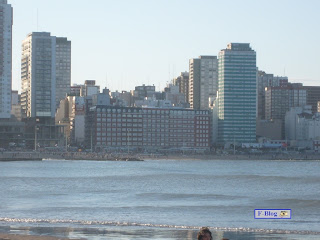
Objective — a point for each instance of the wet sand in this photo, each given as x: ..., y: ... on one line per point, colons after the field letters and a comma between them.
x: 28, y: 237
x: 167, y: 234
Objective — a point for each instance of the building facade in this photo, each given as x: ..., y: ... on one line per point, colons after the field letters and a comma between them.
x: 16, y: 106
x: 237, y: 94
x: 149, y: 128
x: 45, y: 69
x: 203, y: 81
x: 313, y: 97
x: 63, y: 68
x: 301, y: 124
x: 5, y: 58
x: 269, y: 129
x: 182, y: 82
x: 267, y: 80
x: 279, y: 100
x: 90, y: 88
x: 144, y: 91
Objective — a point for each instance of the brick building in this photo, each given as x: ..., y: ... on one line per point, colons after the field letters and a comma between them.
x: 148, y: 128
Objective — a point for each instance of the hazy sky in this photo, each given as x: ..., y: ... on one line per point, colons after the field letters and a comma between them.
x: 124, y: 43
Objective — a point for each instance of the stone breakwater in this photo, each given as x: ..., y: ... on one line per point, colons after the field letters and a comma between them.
x: 38, y: 156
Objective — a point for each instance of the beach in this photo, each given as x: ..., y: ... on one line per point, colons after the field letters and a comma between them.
x: 147, y: 233
x: 27, y: 237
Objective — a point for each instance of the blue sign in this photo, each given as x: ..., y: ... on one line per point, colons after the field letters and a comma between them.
x: 272, y: 213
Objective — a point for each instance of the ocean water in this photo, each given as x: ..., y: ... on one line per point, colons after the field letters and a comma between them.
x: 160, y: 199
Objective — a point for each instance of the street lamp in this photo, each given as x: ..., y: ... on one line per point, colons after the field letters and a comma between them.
x: 35, y: 134
x: 35, y: 137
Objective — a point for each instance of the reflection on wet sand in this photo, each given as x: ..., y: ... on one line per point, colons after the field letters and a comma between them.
x: 119, y: 233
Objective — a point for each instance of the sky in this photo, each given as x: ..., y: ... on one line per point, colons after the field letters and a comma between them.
x: 125, y: 43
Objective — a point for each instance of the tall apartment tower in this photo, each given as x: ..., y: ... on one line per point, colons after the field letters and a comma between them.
x: 182, y: 82
x: 237, y: 94
x: 45, y: 73
x: 63, y: 68
x: 203, y: 81
x: 5, y: 58
x: 267, y: 80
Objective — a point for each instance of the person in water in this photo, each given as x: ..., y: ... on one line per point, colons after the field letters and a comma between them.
x: 204, y: 234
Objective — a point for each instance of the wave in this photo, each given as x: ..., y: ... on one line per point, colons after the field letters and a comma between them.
x: 150, y: 225
x: 302, y: 202
x: 187, y: 196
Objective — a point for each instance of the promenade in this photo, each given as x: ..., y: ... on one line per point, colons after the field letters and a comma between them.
x: 38, y: 156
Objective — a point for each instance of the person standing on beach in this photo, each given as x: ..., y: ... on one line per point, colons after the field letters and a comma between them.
x: 204, y: 234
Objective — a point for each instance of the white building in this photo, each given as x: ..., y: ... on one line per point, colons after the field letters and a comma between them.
x: 301, y: 124
x: 173, y: 95
x: 153, y: 102
x: 45, y: 73
x: 203, y: 81
x: 5, y: 58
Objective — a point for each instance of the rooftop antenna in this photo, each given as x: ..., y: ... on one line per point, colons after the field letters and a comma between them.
x: 106, y: 80
x: 173, y: 74
x: 169, y: 72
x: 37, y: 19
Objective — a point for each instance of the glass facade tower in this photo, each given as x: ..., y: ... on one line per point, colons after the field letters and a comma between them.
x: 237, y: 86
x: 5, y: 58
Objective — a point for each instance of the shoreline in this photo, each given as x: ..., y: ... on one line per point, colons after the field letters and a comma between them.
x: 39, y: 156
x: 5, y: 236
x: 153, y: 233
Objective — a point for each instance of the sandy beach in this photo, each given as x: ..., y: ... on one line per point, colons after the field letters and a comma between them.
x: 29, y: 237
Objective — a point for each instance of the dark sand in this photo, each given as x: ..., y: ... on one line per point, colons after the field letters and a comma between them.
x: 28, y: 237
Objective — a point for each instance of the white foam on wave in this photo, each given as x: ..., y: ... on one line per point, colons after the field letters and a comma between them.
x: 132, y: 224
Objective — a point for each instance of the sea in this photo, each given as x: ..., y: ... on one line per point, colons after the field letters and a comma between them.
x: 159, y: 199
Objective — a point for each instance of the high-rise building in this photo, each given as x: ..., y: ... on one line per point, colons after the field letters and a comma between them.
x: 313, y: 96
x: 203, y: 81
x: 45, y: 73
x: 237, y: 94
x: 63, y: 68
x: 5, y: 58
x: 267, y: 80
x: 279, y: 100
x: 182, y: 82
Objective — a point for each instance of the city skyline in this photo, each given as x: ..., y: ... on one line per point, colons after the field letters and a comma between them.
x: 124, y: 44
